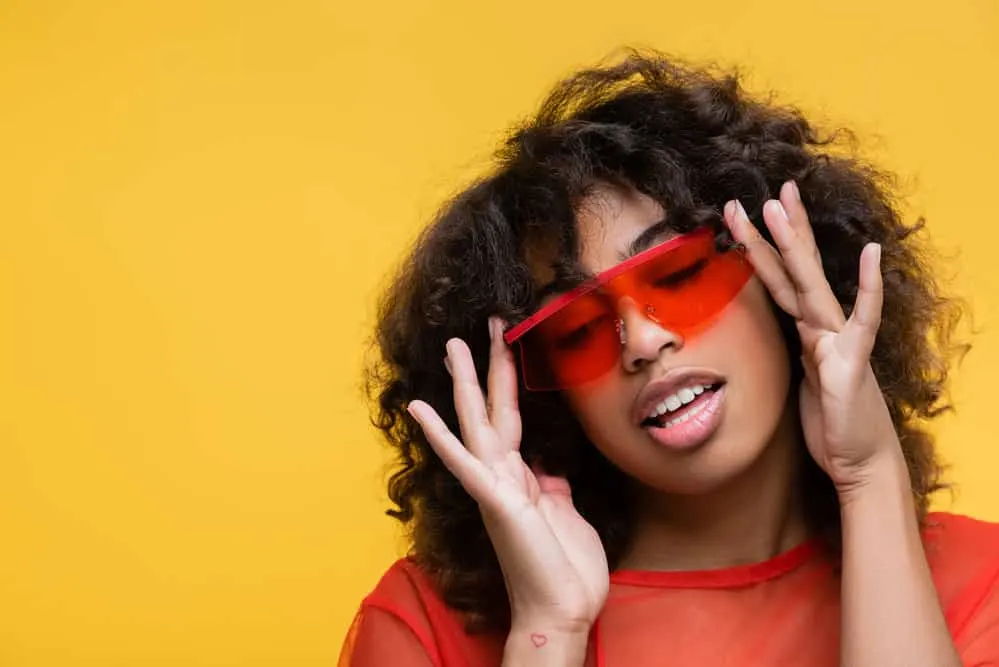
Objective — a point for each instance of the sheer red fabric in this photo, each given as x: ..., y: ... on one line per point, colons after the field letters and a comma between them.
x: 784, y: 611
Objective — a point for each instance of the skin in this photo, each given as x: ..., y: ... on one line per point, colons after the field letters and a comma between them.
x: 701, y: 508
x: 890, y: 612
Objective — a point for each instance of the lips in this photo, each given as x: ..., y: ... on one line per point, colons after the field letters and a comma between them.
x: 669, y: 388
x: 694, y: 426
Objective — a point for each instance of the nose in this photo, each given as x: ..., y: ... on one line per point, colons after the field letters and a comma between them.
x: 643, y: 339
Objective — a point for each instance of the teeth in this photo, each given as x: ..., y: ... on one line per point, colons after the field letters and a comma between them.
x: 676, y: 401
x: 684, y: 417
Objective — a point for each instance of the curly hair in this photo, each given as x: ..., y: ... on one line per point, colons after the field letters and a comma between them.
x: 691, y: 139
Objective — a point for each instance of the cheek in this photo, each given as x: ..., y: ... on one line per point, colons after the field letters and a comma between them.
x: 597, y: 406
x: 756, y: 344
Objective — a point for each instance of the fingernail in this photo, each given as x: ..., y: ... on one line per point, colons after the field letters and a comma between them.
x: 781, y: 209
x: 729, y: 209
x: 492, y: 329
x: 877, y: 253
x: 739, y: 210
x: 794, y: 190
x: 447, y: 365
x: 411, y: 411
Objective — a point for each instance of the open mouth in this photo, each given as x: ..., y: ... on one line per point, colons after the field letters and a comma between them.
x: 680, y: 406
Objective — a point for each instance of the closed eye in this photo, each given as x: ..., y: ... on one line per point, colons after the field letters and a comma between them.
x: 679, y: 277
x: 580, y: 335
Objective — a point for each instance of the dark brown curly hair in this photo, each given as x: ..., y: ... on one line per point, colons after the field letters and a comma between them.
x: 691, y: 139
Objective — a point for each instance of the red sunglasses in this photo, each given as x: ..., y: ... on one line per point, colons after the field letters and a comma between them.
x: 681, y: 284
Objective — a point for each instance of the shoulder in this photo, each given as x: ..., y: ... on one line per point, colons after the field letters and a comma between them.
x: 409, y: 594
x: 956, y: 539
x: 963, y: 555
x: 403, y: 580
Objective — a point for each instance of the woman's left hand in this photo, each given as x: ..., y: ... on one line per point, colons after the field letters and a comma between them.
x: 844, y: 416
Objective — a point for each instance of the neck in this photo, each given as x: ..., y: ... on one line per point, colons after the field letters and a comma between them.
x: 750, y: 519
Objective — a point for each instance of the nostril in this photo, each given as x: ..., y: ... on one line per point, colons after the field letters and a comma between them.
x: 636, y: 363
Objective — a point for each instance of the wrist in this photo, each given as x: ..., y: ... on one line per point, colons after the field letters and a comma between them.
x: 882, y: 476
x: 545, y: 643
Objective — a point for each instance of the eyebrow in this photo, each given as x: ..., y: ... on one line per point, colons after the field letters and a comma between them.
x: 646, y: 239
x: 643, y: 241
x: 562, y: 285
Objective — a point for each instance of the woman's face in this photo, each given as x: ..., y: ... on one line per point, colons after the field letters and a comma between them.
x: 721, y: 394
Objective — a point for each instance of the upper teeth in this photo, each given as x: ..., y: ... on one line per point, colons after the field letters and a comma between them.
x: 675, y: 401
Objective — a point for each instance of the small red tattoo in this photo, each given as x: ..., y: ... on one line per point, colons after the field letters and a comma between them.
x: 538, y: 640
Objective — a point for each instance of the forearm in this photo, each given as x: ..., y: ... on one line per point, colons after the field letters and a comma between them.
x: 542, y: 647
x: 891, y: 614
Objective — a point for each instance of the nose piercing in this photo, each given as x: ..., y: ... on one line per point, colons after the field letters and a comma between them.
x: 621, y: 332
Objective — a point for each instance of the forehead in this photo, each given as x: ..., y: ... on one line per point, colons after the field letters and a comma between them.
x: 609, y: 220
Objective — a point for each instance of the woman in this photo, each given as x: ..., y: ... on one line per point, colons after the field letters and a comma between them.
x: 658, y: 387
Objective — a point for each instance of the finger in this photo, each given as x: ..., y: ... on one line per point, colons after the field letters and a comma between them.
x: 502, y: 384
x: 473, y: 417
x: 861, y: 329
x: 764, y: 258
x: 816, y: 300
x: 809, y: 337
x: 790, y: 199
x: 476, y: 479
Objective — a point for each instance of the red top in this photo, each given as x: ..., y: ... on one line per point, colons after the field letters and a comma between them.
x: 783, y: 611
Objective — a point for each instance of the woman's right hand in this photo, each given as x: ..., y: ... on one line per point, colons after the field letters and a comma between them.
x: 553, y: 561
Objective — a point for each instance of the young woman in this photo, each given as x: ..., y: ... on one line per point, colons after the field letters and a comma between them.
x: 658, y: 387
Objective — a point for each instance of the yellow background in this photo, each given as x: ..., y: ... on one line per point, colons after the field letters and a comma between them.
x: 199, y: 202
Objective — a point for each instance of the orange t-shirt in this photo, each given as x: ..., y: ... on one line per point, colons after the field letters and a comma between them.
x: 784, y: 611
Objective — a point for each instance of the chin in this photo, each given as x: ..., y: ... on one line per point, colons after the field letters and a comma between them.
x: 698, y: 471
x: 706, y: 477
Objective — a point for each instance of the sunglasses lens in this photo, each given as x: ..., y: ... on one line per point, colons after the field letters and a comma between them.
x: 687, y: 292
x: 682, y: 289
x: 576, y: 345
